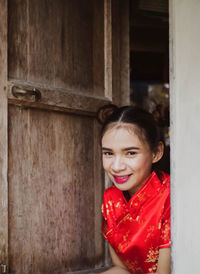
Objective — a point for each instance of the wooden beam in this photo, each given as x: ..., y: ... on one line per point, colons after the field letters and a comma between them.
x: 108, y: 48
x: 3, y: 136
x: 124, y: 53
x: 120, y: 52
x: 56, y: 99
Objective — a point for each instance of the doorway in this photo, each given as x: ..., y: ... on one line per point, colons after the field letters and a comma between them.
x: 149, y: 63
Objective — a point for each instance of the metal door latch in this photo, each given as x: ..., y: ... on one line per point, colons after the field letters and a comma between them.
x: 33, y: 94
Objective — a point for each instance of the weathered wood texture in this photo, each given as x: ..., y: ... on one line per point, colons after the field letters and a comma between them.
x: 72, y: 52
x: 55, y: 192
x: 57, y: 99
x: 58, y: 43
x: 3, y: 134
x: 108, y: 47
x: 120, y: 52
x: 99, y: 187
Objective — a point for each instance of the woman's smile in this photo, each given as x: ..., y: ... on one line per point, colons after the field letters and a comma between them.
x: 121, y: 179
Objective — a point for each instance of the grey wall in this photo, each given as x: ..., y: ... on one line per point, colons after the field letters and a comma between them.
x: 185, y: 134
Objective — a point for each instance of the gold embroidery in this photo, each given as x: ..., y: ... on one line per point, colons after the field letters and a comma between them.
x: 124, y: 241
x: 134, y: 267
x: 110, y: 203
x: 166, y: 232
x: 108, y: 207
x: 153, y: 269
x: 152, y: 257
x: 150, y: 230
x: 141, y: 196
x: 118, y: 204
x: 127, y: 217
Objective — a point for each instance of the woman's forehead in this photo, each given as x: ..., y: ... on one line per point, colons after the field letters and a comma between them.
x: 126, y: 128
x: 123, y: 132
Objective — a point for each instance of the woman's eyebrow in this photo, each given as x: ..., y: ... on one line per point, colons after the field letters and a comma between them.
x: 130, y: 148
x: 106, y: 148
x: 125, y: 149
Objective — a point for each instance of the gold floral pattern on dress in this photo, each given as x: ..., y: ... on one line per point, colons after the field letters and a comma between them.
x: 153, y: 268
x: 126, y: 218
x: 107, y: 207
x: 150, y: 230
x: 165, y: 236
x: 105, y: 230
x: 133, y: 266
x: 111, y: 202
x: 118, y: 204
x: 138, y: 228
x: 152, y: 256
x: 124, y: 242
x: 142, y: 196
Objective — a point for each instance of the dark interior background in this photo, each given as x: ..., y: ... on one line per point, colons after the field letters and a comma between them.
x: 149, y: 62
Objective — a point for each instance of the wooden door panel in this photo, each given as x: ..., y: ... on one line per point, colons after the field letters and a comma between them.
x: 50, y: 210
x: 3, y: 135
x: 55, y: 183
x: 52, y: 206
x: 58, y: 43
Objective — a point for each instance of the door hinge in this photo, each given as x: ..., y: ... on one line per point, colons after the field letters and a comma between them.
x: 3, y: 268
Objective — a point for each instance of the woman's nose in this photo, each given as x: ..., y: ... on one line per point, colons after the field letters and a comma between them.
x: 118, y: 164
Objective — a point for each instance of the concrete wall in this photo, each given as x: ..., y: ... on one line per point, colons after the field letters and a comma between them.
x: 185, y: 134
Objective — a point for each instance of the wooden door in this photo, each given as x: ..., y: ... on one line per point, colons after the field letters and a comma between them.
x: 57, y: 67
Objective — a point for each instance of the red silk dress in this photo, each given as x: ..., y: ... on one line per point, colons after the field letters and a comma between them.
x: 138, y: 228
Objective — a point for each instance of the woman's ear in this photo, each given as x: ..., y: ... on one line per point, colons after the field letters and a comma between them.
x: 157, y: 155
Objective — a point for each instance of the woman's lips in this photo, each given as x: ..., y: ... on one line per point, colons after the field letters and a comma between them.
x: 121, y: 179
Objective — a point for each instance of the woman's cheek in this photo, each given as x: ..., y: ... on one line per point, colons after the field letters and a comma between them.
x: 106, y: 164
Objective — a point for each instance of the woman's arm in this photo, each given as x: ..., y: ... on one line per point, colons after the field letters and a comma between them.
x: 164, y: 261
x: 119, y: 267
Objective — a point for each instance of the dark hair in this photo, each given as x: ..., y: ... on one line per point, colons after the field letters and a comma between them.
x: 147, y: 128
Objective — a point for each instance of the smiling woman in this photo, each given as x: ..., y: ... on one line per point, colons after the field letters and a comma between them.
x: 126, y: 159
x: 136, y: 226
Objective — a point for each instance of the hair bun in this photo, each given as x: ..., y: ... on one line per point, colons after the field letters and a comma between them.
x: 105, y: 112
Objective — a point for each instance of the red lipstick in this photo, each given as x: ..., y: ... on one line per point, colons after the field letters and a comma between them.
x: 121, y: 179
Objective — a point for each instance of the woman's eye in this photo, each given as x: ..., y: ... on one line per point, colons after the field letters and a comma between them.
x: 131, y: 153
x: 107, y: 153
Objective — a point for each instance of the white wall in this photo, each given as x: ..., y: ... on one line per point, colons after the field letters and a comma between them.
x: 185, y: 134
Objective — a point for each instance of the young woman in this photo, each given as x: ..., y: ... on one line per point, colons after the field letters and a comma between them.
x: 136, y: 209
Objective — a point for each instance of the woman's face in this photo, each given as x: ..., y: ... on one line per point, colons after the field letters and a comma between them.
x: 126, y: 159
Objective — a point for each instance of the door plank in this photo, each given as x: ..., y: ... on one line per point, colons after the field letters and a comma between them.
x: 120, y: 52
x: 53, y: 216
x: 3, y: 135
x: 57, y: 99
x: 57, y: 43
